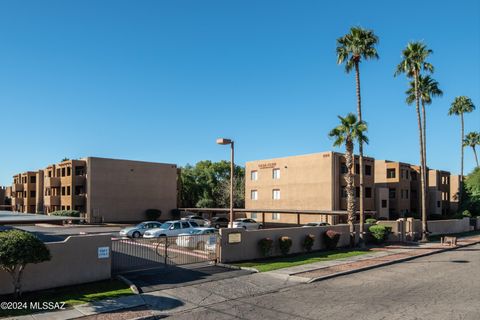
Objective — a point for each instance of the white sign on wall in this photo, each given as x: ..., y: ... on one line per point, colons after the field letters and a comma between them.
x: 103, y: 252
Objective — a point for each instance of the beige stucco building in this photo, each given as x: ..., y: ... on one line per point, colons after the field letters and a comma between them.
x: 306, y: 182
x: 105, y: 190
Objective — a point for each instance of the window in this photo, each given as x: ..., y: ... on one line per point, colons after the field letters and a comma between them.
x: 177, y: 226
x: 254, y: 195
x: 69, y: 171
x: 390, y: 173
x: 343, y: 168
x: 275, y: 216
x: 63, y: 172
x: 357, y: 192
x: 49, y: 174
x: 63, y: 191
x: 79, y: 190
x: 384, y: 203
x: 254, y: 175
x: 63, y: 207
x: 438, y: 204
x: 276, y: 174
x: 357, y: 168
x: 368, y: 192
x: 276, y: 194
x: 343, y: 191
x: 33, y: 194
x: 401, y: 194
x: 413, y: 193
x: 68, y: 190
x: 406, y: 174
x: 79, y: 171
x: 68, y: 207
x: 253, y: 215
x: 414, y: 176
x: 368, y: 170
x: 185, y: 225
x: 33, y: 179
x: 392, y: 193
x: 406, y: 194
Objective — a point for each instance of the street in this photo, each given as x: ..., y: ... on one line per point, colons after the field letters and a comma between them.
x: 441, y: 286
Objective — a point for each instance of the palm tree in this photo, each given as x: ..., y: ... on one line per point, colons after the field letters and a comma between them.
x: 351, y: 48
x: 347, y: 133
x: 472, y: 139
x: 427, y: 88
x: 414, y: 61
x: 461, y: 105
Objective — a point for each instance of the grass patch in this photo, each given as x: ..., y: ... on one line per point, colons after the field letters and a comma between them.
x: 437, y: 237
x: 72, y: 295
x: 285, y: 262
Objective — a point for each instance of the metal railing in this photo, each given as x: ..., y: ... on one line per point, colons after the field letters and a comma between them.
x: 139, y: 254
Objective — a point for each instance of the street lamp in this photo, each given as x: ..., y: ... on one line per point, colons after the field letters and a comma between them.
x: 224, y: 141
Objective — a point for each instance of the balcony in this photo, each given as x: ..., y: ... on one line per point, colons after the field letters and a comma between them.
x: 17, y: 187
x: 52, y: 182
x: 51, y: 200
x: 79, y: 180
x: 17, y: 202
x: 79, y: 200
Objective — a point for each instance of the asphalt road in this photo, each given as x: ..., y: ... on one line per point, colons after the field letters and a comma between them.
x: 441, y: 286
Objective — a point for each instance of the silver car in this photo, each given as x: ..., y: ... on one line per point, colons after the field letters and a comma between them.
x: 139, y: 230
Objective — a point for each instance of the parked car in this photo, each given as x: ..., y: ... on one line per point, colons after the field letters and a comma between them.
x: 138, y: 230
x: 219, y: 222
x: 316, y: 224
x: 171, y: 229
x: 198, y: 238
x: 247, y: 224
x: 199, y: 220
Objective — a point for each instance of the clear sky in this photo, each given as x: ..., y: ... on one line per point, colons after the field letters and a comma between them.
x: 161, y: 80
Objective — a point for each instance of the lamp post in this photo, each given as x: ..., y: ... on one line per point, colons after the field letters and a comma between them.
x: 224, y: 141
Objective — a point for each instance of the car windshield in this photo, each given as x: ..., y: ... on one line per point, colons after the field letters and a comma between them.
x: 239, y: 220
x: 166, y: 225
x: 140, y: 225
x: 196, y: 231
x: 311, y: 224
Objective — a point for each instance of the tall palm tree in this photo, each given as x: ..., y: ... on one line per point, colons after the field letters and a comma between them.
x: 427, y: 88
x: 472, y: 139
x: 351, y: 48
x: 461, y: 105
x: 413, y: 62
x: 348, y: 133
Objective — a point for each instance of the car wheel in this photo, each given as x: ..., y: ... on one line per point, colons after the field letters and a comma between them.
x: 260, y: 227
x: 201, y: 245
x: 136, y: 234
x: 217, y: 226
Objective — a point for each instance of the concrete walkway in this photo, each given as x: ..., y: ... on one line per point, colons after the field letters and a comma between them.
x: 157, y: 304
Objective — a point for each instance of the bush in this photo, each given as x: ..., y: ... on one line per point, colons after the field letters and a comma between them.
x: 66, y: 213
x: 371, y: 221
x: 265, y: 245
x: 153, y: 214
x: 379, y: 232
x: 285, y: 243
x: 331, y: 239
x: 466, y: 214
x: 308, y: 242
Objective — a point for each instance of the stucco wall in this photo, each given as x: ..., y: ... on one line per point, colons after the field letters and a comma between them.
x: 248, y: 248
x: 74, y: 261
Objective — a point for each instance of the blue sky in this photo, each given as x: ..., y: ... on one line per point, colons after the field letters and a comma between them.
x: 161, y: 80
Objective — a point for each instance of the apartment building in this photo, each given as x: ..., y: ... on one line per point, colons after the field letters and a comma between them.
x: 306, y: 182
x: 25, y: 189
x: 439, y: 192
x: 104, y: 190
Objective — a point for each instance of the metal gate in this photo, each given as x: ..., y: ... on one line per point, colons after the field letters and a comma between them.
x: 140, y: 254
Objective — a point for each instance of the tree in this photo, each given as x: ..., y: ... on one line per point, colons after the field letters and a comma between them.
x: 471, y: 200
x: 427, y: 89
x: 351, y: 48
x: 461, y: 105
x: 17, y: 249
x: 414, y: 61
x: 472, y: 139
x: 347, y: 133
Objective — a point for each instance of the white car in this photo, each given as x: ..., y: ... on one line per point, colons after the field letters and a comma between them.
x: 247, y: 224
x: 199, y: 220
x: 316, y: 224
x: 171, y: 229
x: 138, y: 230
x: 198, y: 238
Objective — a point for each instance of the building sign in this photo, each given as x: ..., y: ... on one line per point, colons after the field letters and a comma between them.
x: 267, y: 165
x: 103, y: 252
x: 234, y: 237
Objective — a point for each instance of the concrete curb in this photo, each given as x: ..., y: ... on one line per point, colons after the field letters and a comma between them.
x: 382, y: 264
x: 229, y: 266
x: 133, y: 287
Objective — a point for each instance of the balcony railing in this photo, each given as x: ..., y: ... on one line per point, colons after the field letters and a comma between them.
x: 17, y: 201
x: 52, y: 182
x: 17, y: 187
x: 52, y: 200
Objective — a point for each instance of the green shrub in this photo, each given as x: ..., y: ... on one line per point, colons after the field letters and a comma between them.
x: 371, y: 221
x: 153, y: 214
x: 285, y: 243
x: 66, y: 213
x: 266, y: 245
x: 379, y: 232
x: 308, y: 242
x: 466, y: 214
x: 331, y: 239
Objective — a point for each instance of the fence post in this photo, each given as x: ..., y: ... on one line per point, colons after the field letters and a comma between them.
x: 165, y: 250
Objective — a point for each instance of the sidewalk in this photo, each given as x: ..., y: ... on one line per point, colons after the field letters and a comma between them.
x: 383, y: 256
x: 158, y: 304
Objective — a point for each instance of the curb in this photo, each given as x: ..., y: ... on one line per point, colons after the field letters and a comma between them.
x: 229, y: 266
x: 133, y: 287
x: 382, y: 264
